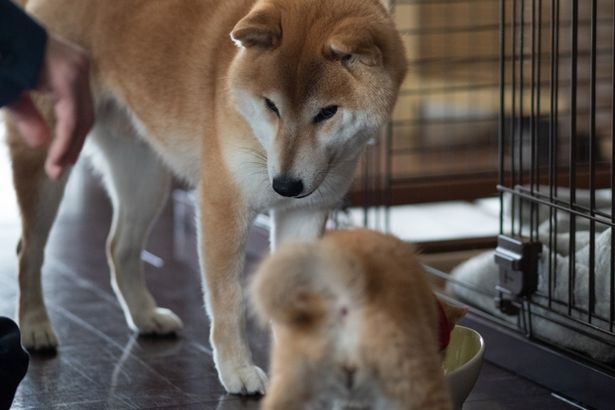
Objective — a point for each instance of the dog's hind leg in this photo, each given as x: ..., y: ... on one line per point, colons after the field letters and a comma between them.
x: 39, y: 199
x: 138, y: 184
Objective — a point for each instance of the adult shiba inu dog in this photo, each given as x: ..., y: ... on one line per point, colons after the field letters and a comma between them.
x: 259, y: 104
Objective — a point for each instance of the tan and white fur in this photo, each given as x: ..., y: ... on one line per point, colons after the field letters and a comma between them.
x: 225, y: 95
x: 355, y: 323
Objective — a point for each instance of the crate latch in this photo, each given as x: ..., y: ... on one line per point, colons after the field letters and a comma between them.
x: 517, y: 259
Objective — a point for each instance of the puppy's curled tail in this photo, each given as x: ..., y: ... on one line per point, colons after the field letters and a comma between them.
x: 289, y: 288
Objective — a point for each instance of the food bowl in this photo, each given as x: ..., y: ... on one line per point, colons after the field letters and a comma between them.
x: 462, y: 363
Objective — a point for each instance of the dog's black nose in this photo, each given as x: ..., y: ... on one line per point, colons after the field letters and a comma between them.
x: 287, y: 186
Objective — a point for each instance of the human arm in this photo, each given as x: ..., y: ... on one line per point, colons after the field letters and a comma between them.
x: 60, y: 70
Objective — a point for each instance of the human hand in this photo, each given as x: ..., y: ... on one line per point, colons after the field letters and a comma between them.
x: 65, y: 78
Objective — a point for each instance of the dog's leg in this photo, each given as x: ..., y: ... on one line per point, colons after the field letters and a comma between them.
x: 297, y: 224
x: 38, y: 199
x: 291, y: 387
x: 138, y: 184
x: 224, y: 225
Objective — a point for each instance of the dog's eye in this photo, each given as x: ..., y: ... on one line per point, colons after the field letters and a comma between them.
x: 272, y: 106
x: 325, y: 114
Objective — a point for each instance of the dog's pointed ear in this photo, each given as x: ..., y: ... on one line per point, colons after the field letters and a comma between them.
x: 351, y: 43
x: 386, y: 4
x: 260, y: 28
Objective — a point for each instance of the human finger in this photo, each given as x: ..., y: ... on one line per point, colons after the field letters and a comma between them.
x: 66, y: 125
x: 29, y: 122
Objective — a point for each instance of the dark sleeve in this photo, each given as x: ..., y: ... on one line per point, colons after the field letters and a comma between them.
x: 22, y: 47
x: 13, y: 361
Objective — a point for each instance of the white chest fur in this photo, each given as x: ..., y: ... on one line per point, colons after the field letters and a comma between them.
x: 249, y: 169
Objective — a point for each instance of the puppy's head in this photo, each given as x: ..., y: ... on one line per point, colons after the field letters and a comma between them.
x: 302, y: 286
x: 290, y: 287
x: 314, y: 79
x: 285, y: 288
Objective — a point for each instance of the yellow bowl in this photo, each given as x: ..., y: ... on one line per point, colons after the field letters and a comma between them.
x: 462, y: 363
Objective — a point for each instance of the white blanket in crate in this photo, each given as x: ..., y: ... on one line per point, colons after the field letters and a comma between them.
x: 482, y: 272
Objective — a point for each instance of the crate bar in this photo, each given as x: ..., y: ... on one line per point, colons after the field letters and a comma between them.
x: 556, y: 135
x: 582, y: 326
x: 428, y: 2
x: 599, y: 217
x: 537, y: 300
x: 478, y: 28
x: 573, y: 143
x: 489, y: 59
x: 449, y: 89
x: 553, y: 118
x: 418, y: 92
x: 575, y: 324
x: 559, y: 205
x: 378, y: 186
x: 533, y: 156
x: 378, y: 189
x: 473, y: 75
x: 481, y: 118
x: 521, y: 111
x: 592, y: 164
x: 538, y: 101
x: 502, y: 128
x: 388, y: 183
x: 446, y: 20
x: 365, y: 189
x: 431, y: 31
x: 446, y: 120
x: 513, y: 106
x: 612, y: 278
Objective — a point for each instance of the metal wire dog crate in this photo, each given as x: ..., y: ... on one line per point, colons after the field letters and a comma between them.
x: 440, y: 143
x: 516, y: 96
x: 555, y: 155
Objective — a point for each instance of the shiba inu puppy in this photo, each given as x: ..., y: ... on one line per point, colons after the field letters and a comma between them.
x: 261, y: 105
x: 356, y: 324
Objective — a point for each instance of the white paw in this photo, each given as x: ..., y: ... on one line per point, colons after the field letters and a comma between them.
x: 244, y: 380
x: 158, y: 321
x: 38, y: 335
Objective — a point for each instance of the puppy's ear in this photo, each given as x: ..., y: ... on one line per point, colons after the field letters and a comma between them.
x: 352, y: 43
x: 260, y: 28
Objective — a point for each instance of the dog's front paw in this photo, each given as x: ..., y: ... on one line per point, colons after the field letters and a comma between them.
x: 158, y: 321
x: 248, y: 379
x: 37, y: 335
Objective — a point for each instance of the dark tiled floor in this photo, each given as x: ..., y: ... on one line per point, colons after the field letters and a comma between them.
x: 100, y: 364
